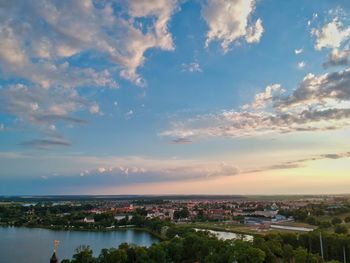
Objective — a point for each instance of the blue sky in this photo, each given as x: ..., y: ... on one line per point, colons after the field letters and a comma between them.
x: 118, y: 97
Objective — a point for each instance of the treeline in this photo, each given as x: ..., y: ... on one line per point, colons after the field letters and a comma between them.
x: 185, y: 245
x: 42, y: 215
x: 317, y: 210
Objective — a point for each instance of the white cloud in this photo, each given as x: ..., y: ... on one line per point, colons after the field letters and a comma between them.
x: 263, y: 99
x: 229, y: 21
x: 37, y: 35
x: 38, y: 38
x: 337, y: 58
x: 95, y: 171
x: 301, y: 65
x: 138, y: 169
x: 191, y: 67
x: 41, y: 107
x: 101, y: 169
x: 2, y: 127
x: 162, y: 10
x: 336, y: 36
x: 298, y: 51
x: 331, y: 35
x: 254, y: 32
x: 319, y: 103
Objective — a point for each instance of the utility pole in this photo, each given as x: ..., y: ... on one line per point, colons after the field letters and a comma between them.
x: 321, y: 245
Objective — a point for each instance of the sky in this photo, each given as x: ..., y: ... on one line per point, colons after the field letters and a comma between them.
x: 174, y: 97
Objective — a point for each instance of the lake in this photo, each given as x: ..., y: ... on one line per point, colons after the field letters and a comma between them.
x: 23, y: 245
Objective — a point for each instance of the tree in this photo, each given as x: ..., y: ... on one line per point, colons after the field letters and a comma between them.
x: 245, y: 253
x: 157, y: 253
x: 325, y: 224
x: 183, y: 213
x: 83, y: 254
x: 311, y: 220
x: 288, y: 253
x: 300, y: 255
x: 347, y: 219
x: 112, y: 256
x: 175, y: 249
x: 336, y: 220
x: 340, y: 229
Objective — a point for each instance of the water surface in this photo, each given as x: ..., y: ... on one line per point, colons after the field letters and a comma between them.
x: 34, y: 245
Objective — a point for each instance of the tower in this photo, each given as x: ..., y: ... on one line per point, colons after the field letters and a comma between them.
x: 54, y: 258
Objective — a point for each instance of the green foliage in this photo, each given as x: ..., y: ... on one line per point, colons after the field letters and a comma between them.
x: 189, y: 246
x: 301, y: 255
x: 311, y: 220
x: 182, y: 213
x: 336, y: 220
x: 83, y: 254
x: 325, y: 224
x: 340, y: 229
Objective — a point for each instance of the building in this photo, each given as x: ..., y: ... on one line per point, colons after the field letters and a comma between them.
x: 88, y: 220
x: 54, y: 258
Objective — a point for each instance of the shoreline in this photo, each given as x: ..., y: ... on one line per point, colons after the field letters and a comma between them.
x: 56, y: 228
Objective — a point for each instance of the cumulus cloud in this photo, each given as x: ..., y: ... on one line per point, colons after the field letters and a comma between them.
x: 254, y: 32
x: 262, y: 99
x: 229, y: 21
x: 317, y: 90
x: 46, y: 32
x: 319, y: 103
x: 331, y: 35
x: 337, y: 58
x: 39, y: 39
x: 334, y: 35
x: 39, y: 106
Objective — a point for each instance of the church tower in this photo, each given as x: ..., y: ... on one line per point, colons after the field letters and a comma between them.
x: 54, y: 258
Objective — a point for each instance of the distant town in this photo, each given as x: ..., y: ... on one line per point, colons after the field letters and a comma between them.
x: 195, y: 228
x: 239, y: 214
